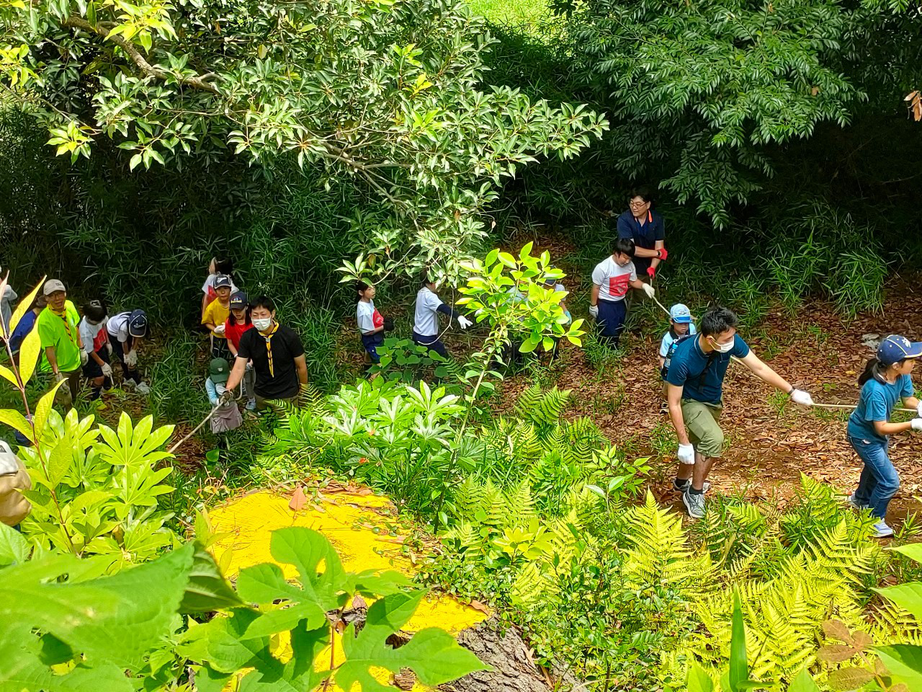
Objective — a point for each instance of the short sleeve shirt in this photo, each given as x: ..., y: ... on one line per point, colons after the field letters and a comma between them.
x: 281, y: 380
x: 233, y: 332
x: 368, y: 317
x: 644, y: 235
x: 22, y: 330
x: 876, y: 404
x: 93, y: 336
x: 612, y: 279
x: 117, y: 326
x: 668, y: 340
x: 63, y: 334
x: 425, y: 317
x: 702, y: 374
x: 216, y: 314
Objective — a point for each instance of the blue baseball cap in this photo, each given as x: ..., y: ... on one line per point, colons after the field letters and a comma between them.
x: 680, y: 314
x: 895, y: 348
x: 137, y: 324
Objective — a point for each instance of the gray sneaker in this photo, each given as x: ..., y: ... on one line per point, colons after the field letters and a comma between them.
x: 694, y: 504
x: 881, y: 530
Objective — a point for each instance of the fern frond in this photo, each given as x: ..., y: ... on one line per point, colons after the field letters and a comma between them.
x: 520, y: 508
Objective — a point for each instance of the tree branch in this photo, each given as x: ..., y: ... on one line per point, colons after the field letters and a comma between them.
x: 102, y: 30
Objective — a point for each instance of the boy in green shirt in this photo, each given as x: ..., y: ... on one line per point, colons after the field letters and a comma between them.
x: 59, y: 330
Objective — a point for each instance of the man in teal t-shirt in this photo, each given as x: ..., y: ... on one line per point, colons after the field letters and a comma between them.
x: 58, y: 328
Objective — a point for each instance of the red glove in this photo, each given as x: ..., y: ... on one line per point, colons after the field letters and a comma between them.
x: 652, y: 272
x: 662, y: 254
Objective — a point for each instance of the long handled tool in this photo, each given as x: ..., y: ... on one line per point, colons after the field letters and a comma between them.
x: 815, y: 404
x: 194, y: 430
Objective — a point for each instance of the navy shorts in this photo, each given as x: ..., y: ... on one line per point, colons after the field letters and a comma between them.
x: 433, y: 343
x: 92, y: 370
x: 371, y: 343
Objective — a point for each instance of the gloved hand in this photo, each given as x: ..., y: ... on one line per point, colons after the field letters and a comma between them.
x: 84, y: 358
x: 686, y: 454
x: 131, y: 358
x: 916, y: 424
x: 463, y: 322
x: 649, y: 290
x: 651, y: 272
x: 109, y: 348
x: 919, y: 410
x: 226, y: 397
x: 594, y: 311
x: 662, y: 254
x: 219, y: 330
x: 106, y: 370
x: 799, y: 396
x: 58, y: 376
x: 249, y: 366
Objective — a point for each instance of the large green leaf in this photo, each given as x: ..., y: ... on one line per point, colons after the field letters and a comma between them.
x: 803, y: 683
x: 432, y: 654
x: 14, y: 549
x: 906, y: 596
x: 110, y: 620
x: 739, y: 667
x: 904, y: 663
x: 698, y: 680
x: 910, y: 550
x: 206, y: 588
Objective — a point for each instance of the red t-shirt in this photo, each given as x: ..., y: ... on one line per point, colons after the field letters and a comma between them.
x: 233, y: 332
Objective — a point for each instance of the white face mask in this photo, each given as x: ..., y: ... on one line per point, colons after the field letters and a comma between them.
x: 722, y: 348
x: 263, y: 324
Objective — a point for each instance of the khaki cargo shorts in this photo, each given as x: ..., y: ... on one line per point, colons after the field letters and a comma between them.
x: 702, y: 423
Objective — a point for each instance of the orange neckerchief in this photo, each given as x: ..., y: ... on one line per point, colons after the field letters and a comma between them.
x: 63, y: 316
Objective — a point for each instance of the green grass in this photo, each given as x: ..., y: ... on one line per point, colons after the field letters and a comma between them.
x: 526, y: 14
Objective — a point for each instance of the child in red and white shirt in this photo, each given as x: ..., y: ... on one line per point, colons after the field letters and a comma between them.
x: 611, y: 280
x: 370, y: 321
x: 94, y: 339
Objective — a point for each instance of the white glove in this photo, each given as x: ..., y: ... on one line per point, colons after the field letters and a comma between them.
x: 463, y: 322
x: 106, y: 370
x: 249, y: 365
x: 84, y: 357
x: 109, y: 348
x: 649, y: 290
x: 916, y: 424
x: 219, y: 330
x: 594, y: 311
x: 686, y: 454
x: 799, y: 396
x: 919, y: 410
x: 131, y: 358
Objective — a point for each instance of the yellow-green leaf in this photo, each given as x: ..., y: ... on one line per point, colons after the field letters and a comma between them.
x: 24, y: 305
x: 16, y: 420
x: 8, y: 375
x: 44, y: 408
x: 28, y: 355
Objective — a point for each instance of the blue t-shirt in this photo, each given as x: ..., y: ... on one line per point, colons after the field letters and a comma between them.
x: 644, y: 236
x: 702, y: 374
x: 22, y: 330
x: 876, y: 403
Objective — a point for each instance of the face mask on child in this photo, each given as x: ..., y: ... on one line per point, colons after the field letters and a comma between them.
x: 262, y: 324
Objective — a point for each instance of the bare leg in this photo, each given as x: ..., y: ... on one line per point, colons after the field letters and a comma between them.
x: 701, y: 470
x: 685, y: 471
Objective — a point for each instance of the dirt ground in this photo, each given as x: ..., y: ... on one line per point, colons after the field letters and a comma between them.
x: 771, y: 440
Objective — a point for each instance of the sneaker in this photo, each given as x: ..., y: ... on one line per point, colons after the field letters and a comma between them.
x: 682, y: 487
x: 694, y: 504
x: 251, y: 405
x: 854, y: 503
x: 142, y: 388
x: 881, y: 530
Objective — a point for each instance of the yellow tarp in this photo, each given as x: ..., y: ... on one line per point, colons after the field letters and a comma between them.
x: 354, y: 523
